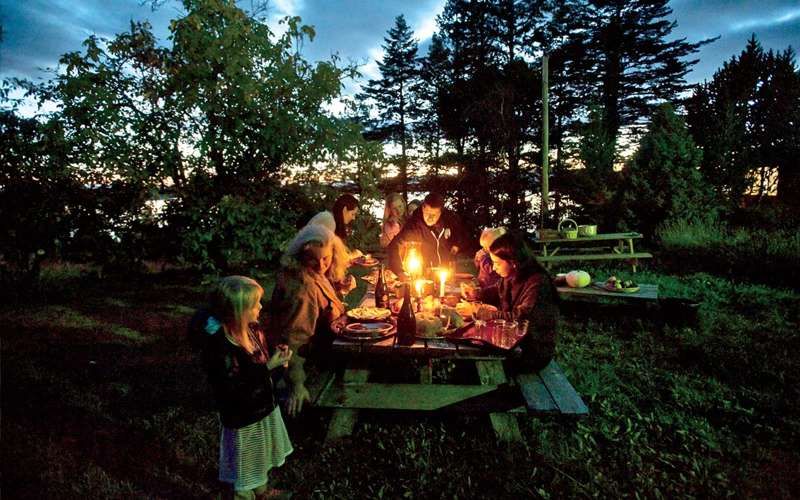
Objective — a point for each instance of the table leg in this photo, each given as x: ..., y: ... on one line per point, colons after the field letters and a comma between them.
x: 426, y: 373
x: 344, y: 419
x: 490, y: 372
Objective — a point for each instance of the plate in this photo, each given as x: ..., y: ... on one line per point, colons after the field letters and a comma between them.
x: 361, y: 261
x: 369, y: 313
x: 610, y: 288
x: 368, y: 331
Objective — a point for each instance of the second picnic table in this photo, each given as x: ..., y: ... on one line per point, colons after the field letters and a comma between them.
x: 499, y: 395
x: 555, y: 250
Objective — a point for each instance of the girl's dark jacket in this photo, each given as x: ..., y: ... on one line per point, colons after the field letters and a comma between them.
x: 529, y: 295
x: 240, y: 381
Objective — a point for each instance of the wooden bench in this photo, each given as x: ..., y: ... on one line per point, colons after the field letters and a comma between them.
x: 547, y: 259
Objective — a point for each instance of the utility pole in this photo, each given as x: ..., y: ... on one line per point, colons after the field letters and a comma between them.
x: 545, y: 142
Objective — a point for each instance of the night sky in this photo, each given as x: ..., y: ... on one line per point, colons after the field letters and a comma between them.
x: 37, y: 32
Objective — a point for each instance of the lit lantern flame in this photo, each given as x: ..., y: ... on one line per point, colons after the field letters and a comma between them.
x: 413, y: 263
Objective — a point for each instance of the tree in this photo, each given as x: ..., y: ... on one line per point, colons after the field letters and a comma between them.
x: 635, y: 63
x: 747, y: 121
x: 218, y: 121
x: 395, y: 93
x: 663, y: 181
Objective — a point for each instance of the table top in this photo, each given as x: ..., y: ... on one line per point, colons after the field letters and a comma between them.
x: 597, y: 237
x: 646, y: 291
x: 421, y: 348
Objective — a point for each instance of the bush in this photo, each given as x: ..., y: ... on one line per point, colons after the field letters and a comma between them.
x: 771, y: 257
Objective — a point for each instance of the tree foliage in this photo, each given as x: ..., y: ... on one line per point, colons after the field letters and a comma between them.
x: 747, y: 121
x: 663, y: 181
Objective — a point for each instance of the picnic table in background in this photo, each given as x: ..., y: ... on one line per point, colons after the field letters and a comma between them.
x: 500, y: 396
x: 646, y: 292
x: 607, y: 246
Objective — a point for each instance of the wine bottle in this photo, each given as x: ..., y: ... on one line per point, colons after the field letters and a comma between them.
x: 381, y: 294
x: 406, y: 321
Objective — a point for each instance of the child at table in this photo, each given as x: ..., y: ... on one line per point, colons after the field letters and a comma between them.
x: 253, y: 437
x: 483, y: 263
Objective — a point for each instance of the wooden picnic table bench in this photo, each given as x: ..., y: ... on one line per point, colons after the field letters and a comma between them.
x: 547, y: 392
x: 585, y: 248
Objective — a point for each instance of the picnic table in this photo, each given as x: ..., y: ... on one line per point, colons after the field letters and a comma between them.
x: 497, y: 394
x: 604, y: 246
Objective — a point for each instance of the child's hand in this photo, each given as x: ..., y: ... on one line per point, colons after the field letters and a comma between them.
x: 281, y: 356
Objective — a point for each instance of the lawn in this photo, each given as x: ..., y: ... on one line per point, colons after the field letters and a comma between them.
x: 102, y: 398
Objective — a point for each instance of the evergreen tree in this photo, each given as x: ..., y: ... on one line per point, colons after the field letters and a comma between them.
x: 663, y: 181
x: 636, y: 65
x: 394, y: 94
x: 435, y: 77
x: 747, y: 121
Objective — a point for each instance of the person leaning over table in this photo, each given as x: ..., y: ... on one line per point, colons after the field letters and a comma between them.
x: 483, y: 262
x: 342, y: 282
x: 525, y: 292
x: 438, y: 230
x: 305, y: 306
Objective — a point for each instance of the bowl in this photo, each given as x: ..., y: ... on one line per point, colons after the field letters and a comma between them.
x: 587, y: 230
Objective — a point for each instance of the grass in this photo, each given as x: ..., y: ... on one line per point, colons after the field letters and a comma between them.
x: 103, y: 399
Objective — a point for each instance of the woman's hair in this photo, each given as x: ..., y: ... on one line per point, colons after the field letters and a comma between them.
x: 349, y: 202
x: 490, y: 234
x: 513, y: 248
x: 395, y: 200
x: 324, y: 219
x: 229, y: 300
x: 413, y: 205
x: 308, y: 241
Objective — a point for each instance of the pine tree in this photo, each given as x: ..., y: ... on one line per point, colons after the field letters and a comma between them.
x: 394, y: 94
x: 663, y: 178
x: 747, y: 120
x: 635, y: 63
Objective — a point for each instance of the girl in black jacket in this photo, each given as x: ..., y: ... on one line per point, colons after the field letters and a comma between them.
x: 253, y: 437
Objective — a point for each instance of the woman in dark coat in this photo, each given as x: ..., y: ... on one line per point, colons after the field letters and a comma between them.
x: 525, y: 292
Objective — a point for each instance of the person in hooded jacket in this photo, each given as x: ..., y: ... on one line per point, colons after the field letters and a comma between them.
x: 437, y: 229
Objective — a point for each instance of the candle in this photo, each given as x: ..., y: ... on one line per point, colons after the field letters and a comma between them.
x: 442, y: 279
x: 418, y: 286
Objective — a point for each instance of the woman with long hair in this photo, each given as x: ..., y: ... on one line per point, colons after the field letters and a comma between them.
x: 305, y: 306
x: 525, y: 292
x: 394, y: 216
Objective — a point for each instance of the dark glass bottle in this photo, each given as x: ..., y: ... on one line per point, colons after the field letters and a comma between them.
x: 381, y: 293
x: 406, y: 321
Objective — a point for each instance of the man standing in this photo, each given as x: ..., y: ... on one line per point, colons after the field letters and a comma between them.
x: 437, y: 229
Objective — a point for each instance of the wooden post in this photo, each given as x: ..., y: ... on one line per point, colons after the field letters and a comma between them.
x: 545, y: 141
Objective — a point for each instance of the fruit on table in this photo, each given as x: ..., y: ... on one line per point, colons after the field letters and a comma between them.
x: 428, y: 325
x: 578, y: 279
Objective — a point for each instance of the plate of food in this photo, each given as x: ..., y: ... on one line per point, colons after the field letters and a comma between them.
x: 365, y: 260
x: 369, y: 313
x: 368, y: 331
x: 432, y: 327
x: 614, y: 284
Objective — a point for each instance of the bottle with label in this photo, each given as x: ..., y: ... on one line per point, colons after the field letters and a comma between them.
x: 406, y: 321
x: 381, y: 292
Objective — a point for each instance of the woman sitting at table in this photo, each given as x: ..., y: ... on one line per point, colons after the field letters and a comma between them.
x: 305, y: 306
x: 394, y: 216
x: 525, y: 292
x: 338, y: 220
x: 483, y: 262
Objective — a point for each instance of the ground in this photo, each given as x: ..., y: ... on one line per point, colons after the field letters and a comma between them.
x: 103, y: 398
